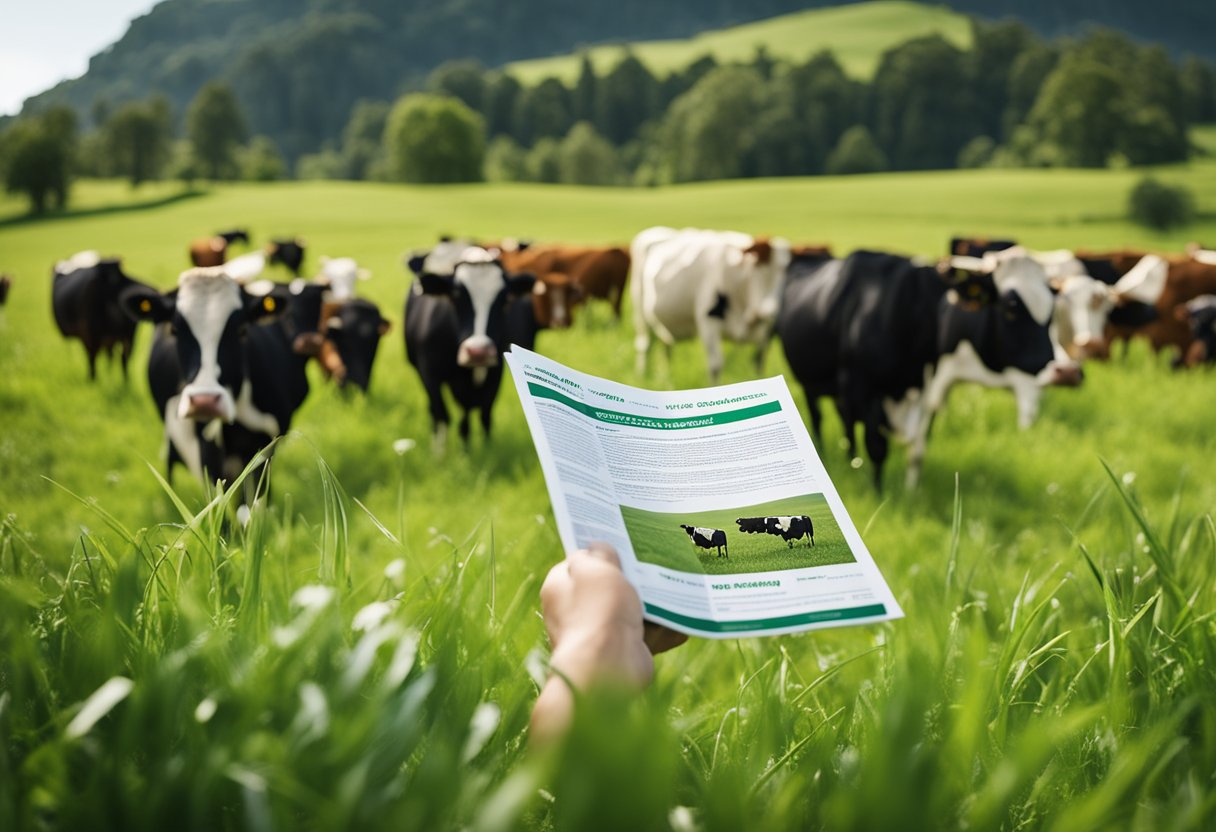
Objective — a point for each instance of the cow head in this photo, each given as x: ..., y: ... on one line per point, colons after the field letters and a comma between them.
x: 1013, y: 291
x: 341, y: 274
x: 210, y: 314
x: 554, y: 296
x: 1200, y: 315
x: 1085, y: 305
x: 289, y: 253
x: 479, y: 289
x: 352, y: 331
x: 766, y: 261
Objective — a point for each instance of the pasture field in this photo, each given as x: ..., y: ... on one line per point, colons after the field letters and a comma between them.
x: 657, y: 538
x: 856, y: 34
x: 365, y: 653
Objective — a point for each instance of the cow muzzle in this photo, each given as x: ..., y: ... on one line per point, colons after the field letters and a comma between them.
x: 1065, y: 375
x: 206, y: 405
x: 477, y: 351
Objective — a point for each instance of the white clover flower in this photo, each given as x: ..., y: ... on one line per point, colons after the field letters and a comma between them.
x: 403, y: 446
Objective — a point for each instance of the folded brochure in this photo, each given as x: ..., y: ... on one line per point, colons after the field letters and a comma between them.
x: 723, y: 515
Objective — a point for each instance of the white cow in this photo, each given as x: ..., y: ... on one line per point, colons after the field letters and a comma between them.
x: 707, y: 284
x: 1083, y: 304
x: 341, y: 275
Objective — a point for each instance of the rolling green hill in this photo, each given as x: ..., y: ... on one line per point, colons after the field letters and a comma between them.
x: 857, y: 34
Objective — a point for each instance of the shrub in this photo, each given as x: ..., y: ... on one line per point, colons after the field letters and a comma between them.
x: 856, y: 152
x: 1160, y: 206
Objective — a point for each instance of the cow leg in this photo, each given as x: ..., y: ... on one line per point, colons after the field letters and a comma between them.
x: 464, y: 427
x: 710, y: 330
x: 877, y: 444
x: 816, y: 415
x: 126, y: 359
x: 92, y: 353
x: 485, y: 421
x: 758, y: 357
x: 439, y: 414
x: 641, y: 337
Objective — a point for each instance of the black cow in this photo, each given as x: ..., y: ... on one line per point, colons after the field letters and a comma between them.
x: 289, y: 253
x: 236, y: 235
x: 887, y: 339
x: 85, y: 292
x: 228, y: 375
x: 977, y: 246
x: 788, y: 528
x: 6, y: 283
x: 1200, y: 314
x: 708, y: 539
x: 352, y: 330
x: 456, y: 332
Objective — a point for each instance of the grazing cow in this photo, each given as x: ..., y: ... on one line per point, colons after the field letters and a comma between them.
x: 289, y: 253
x: 788, y: 529
x: 225, y: 377
x: 6, y: 283
x: 704, y: 538
x: 595, y: 272
x: 888, y: 339
x: 1200, y: 315
x: 977, y: 246
x: 85, y: 293
x: 711, y: 284
x: 456, y: 330
x: 208, y: 251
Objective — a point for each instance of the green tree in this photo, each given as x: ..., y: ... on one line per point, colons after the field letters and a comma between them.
x: 541, y: 111
x: 506, y: 161
x: 38, y: 153
x: 857, y: 152
x: 262, y: 161
x: 464, y: 80
x: 325, y: 164
x: 216, y: 128
x: 923, y: 111
x: 138, y: 138
x: 708, y: 131
x: 587, y: 158
x: 825, y: 102
x: 1198, y: 80
x: 1026, y: 77
x: 362, y: 140
x: 545, y: 161
x: 1080, y: 111
x: 431, y: 138
x: 995, y: 51
x: 583, y: 96
x: 977, y: 153
x: 501, y: 93
x: 628, y: 96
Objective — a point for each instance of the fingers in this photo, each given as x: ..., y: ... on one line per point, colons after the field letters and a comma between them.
x: 659, y: 639
x: 601, y: 551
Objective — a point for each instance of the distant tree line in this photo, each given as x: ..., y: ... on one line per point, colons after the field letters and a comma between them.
x: 1010, y: 100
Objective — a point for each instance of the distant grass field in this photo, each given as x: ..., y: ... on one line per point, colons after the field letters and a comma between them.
x: 857, y: 34
x: 657, y: 538
x: 324, y: 669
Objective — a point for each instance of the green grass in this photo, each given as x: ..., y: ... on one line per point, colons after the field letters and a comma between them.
x: 657, y: 538
x: 1054, y: 670
x: 856, y: 34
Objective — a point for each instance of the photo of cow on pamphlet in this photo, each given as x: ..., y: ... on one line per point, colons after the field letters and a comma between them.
x: 793, y: 533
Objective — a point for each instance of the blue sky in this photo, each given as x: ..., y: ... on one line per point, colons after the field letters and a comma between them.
x: 43, y: 42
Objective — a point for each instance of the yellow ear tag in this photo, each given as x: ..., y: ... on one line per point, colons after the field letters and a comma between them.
x: 268, y: 304
x: 145, y: 305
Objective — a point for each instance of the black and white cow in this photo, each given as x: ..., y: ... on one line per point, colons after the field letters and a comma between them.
x: 352, y: 329
x: 289, y: 253
x: 226, y: 370
x: 788, y: 528
x: 85, y: 292
x: 1200, y: 314
x: 704, y: 538
x: 887, y: 339
x: 236, y: 235
x: 456, y: 332
x: 977, y: 246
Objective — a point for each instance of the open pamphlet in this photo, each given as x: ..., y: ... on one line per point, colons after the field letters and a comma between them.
x: 724, y: 517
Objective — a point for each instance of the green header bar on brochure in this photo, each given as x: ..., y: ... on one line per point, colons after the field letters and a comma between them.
x: 780, y: 622
x: 632, y: 420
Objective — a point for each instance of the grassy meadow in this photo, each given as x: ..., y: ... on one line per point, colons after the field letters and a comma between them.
x: 857, y: 35
x: 364, y: 654
x: 657, y: 538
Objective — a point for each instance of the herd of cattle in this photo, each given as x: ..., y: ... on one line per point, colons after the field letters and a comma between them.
x: 884, y: 336
x: 788, y: 528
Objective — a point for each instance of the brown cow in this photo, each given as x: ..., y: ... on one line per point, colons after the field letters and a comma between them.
x: 597, y: 272
x: 209, y: 251
x: 554, y: 296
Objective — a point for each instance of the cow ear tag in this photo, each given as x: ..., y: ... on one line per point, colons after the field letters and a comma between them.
x: 268, y: 304
x: 145, y: 305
